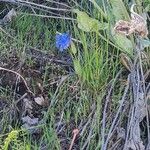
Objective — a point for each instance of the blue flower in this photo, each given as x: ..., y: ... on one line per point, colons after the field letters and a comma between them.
x: 63, y: 41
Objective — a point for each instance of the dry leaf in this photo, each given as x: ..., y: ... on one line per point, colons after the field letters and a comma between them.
x: 11, y: 14
x: 122, y: 27
x: 132, y: 145
x: 27, y: 106
x: 126, y: 61
x: 121, y: 133
x: 27, y: 103
x: 30, y: 121
x: 41, y: 101
x: 30, y: 124
x: 137, y: 24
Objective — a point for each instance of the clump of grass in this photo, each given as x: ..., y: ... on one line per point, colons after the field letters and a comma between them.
x: 92, y: 62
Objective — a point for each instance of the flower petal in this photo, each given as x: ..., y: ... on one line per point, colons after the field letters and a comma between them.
x: 63, y: 41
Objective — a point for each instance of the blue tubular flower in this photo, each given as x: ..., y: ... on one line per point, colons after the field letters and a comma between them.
x: 63, y: 41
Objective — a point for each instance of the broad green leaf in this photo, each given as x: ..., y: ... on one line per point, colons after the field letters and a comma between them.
x: 119, y: 10
x: 124, y: 43
x: 87, y: 23
x: 98, y: 8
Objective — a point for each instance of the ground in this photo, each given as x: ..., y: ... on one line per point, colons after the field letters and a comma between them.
x: 91, y: 87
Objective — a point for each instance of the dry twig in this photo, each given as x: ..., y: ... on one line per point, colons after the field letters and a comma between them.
x: 18, y: 75
x: 75, y: 133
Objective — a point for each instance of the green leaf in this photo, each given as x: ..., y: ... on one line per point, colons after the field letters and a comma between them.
x: 73, y: 48
x: 77, y: 67
x: 119, y: 10
x: 145, y: 43
x: 99, y: 9
x: 87, y: 23
x: 124, y: 43
x: 147, y: 9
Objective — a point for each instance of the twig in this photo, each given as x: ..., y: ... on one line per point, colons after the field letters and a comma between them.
x: 144, y: 89
x: 6, y: 33
x: 55, y: 2
x: 75, y: 133
x: 47, y: 16
x: 105, y: 108
x: 22, y: 2
x: 138, y: 109
x: 89, y: 120
x: 116, y: 116
x: 43, y: 8
x: 90, y: 134
x: 59, y: 123
x: 21, y: 98
x: 25, y: 83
